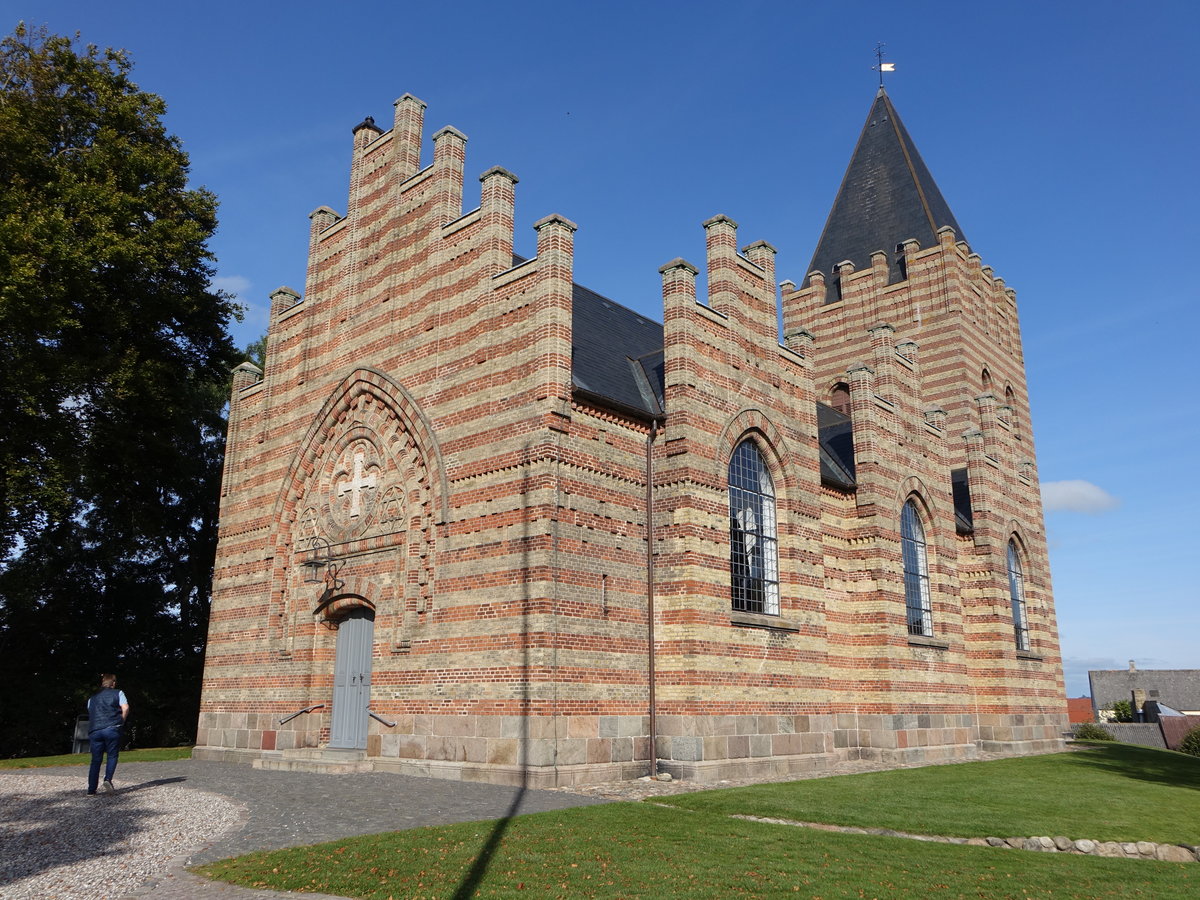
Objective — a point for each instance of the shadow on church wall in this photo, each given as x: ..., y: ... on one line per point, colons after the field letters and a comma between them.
x: 473, y: 878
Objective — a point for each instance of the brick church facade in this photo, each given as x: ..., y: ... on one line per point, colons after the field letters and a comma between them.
x: 480, y: 522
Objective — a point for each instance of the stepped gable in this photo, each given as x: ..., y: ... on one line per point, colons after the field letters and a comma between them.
x: 887, y: 196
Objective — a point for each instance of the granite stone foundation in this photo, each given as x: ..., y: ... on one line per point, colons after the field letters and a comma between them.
x: 546, y: 752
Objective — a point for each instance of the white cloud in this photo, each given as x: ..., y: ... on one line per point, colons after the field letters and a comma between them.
x: 234, y: 284
x: 1081, y: 665
x: 1077, y: 496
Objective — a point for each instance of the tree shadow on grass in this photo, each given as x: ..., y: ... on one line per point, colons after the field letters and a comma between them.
x: 1142, y: 763
x: 472, y: 880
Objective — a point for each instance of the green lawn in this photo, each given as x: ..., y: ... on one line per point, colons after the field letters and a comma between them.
x: 636, y: 850
x: 1107, y: 792
x: 693, y: 849
x: 157, y: 754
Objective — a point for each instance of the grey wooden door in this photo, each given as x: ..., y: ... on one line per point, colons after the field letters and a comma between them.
x: 352, y: 681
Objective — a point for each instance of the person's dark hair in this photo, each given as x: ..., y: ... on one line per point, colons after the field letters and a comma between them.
x: 108, y: 681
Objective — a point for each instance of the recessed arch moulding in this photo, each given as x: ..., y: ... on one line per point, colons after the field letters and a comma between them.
x: 360, y: 491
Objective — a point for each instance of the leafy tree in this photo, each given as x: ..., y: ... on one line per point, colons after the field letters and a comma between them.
x: 115, y: 353
x: 1122, y: 711
x: 256, y: 351
x: 1191, y: 742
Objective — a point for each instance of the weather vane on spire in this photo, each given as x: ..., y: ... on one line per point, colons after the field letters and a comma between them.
x: 882, y: 66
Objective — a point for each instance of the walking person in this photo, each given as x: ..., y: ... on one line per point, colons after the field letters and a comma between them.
x: 107, y: 710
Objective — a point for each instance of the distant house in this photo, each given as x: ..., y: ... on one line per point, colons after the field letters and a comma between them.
x: 1177, y: 688
x: 1079, y: 709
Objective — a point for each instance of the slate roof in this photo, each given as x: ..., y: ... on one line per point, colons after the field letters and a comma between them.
x: 887, y: 196
x: 617, y: 361
x: 616, y: 354
x: 1178, y: 688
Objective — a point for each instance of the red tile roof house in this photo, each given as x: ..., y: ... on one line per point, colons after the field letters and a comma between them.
x: 1079, y: 709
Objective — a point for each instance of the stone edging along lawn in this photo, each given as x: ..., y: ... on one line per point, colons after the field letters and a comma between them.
x: 1081, y: 847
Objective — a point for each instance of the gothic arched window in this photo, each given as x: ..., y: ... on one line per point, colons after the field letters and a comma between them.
x: 1016, y: 593
x: 754, y: 552
x: 916, y: 571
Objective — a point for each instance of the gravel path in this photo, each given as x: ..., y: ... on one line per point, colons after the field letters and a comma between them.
x: 60, y: 843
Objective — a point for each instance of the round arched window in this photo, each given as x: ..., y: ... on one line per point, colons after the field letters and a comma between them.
x: 753, y: 545
x: 916, y: 571
x: 1016, y: 593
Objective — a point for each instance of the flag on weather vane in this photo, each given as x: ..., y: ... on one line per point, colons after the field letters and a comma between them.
x: 882, y: 66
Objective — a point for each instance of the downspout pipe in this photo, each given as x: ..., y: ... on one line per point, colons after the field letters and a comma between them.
x: 650, y: 592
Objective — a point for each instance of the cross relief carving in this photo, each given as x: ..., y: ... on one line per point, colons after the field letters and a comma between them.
x: 371, y: 483
x: 354, y: 484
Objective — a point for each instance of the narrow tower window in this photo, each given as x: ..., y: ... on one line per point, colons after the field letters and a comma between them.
x: 901, y: 267
x: 754, y: 556
x: 1016, y: 592
x: 839, y: 398
x: 1010, y: 400
x: 916, y: 571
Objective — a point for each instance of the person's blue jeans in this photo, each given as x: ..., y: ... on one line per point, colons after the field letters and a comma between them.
x: 105, y: 741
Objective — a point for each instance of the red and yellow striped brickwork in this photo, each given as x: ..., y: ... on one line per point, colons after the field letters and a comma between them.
x: 416, y: 432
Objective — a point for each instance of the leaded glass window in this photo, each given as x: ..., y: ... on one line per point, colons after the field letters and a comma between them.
x: 754, y: 552
x: 1016, y: 593
x: 916, y: 571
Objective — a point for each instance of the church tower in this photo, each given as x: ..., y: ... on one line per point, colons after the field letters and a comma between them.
x: 918, y: 342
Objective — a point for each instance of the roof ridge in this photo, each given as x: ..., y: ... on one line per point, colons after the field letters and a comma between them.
x: 895, y: 120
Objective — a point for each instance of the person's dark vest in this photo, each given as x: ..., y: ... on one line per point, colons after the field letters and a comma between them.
x: 104, y: 709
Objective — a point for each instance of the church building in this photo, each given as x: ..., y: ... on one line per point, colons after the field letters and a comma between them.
x: 480, y: 522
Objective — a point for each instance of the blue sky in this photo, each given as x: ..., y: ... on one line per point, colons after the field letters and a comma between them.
x: 1064, y: 136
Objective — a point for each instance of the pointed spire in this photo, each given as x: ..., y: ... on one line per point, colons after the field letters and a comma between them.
x: 887, y: 196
